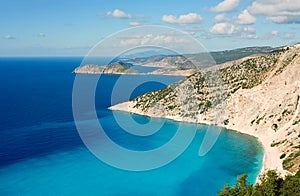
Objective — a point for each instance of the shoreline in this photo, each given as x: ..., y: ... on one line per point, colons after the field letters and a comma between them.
x: 134, y: 74
x: 271, y: 155
x: 271, y: 160
x: 163, y: 71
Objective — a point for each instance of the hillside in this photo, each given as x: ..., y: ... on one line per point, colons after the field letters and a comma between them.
x: 257, y: 96
x: 181, y: 65
x: 113, y: 68
x: 219, y: 56
x: 231, y: 55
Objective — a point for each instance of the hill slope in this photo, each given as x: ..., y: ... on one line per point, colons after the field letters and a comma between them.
x: 113, y: 68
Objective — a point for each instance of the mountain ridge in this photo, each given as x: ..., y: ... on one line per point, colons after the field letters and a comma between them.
x: 182, y: 65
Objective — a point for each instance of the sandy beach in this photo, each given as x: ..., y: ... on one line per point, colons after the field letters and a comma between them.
x: 271, y: 155
x: 272, y: 159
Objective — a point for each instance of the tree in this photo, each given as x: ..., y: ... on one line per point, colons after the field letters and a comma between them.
x: 225, y: 191
x: 270, y: 185
x: 241, y: 188
x: 291, y: 185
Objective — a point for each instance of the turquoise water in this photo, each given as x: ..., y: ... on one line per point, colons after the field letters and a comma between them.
x: 78, y: 172
x: 41, y: 152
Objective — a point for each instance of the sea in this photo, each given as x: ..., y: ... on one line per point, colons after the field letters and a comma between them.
x: 42, y: 153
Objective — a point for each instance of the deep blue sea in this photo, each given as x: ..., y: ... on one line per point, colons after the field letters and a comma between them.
x: 41, y: 152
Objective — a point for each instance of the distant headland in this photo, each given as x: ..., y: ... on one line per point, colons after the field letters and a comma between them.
x: 177, y: 65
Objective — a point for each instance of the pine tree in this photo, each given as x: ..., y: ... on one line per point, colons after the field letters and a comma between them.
x: 270, y: 185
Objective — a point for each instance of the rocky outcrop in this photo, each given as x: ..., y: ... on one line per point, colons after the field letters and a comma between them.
x: 113, y: 68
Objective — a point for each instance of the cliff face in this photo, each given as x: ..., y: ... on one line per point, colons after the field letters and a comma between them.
x: 113, y: 68
x: 271, y: 109
x: 257, y: 95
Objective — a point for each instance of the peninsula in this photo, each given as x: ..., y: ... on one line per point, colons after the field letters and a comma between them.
x: 112, y: 68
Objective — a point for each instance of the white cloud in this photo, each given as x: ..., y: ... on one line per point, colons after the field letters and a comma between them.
x: 169, y: 19
x: 276, y: 33
x: 118, y: 14
x: 151, y: 39
x: 226, y: 6
x: 129, y: 42
x: 245, y: 18
x: 134, y: 24
x: 278, y: 11
x: 189, y: 18
x: 8, y: 37
x: 285, y: 19
x: 247, y: 32
x: 222, y: 28
x: 220, y: 18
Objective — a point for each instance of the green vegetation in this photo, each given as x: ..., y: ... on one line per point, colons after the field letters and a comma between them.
x: 286, y: 112
x: 167, y: 95
x: 112, y: 68
x: 289, y: 162
x: 226, y: 122
x: 278, y: 143
x: 285, y: 63
x: 231, y: 55
x: 119, y: 67
x: 274, y: 127
x: 271, y: 185
x: 296, y: 122
x: 249, y: 73
x: 260, y: 119
x: 282, y: 156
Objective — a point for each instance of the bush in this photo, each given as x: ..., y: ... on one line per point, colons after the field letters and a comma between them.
x: 226, y: 122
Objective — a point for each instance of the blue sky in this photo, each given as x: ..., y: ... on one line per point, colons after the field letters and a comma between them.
x: 73, y: 27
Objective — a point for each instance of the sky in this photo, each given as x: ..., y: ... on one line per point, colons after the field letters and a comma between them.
x: 73, y: 27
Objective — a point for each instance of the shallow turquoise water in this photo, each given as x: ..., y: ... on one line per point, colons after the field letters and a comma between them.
x: 78, y: 172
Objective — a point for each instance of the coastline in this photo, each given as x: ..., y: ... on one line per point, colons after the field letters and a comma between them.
x: 271, y: 158
x: 175, y: 73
